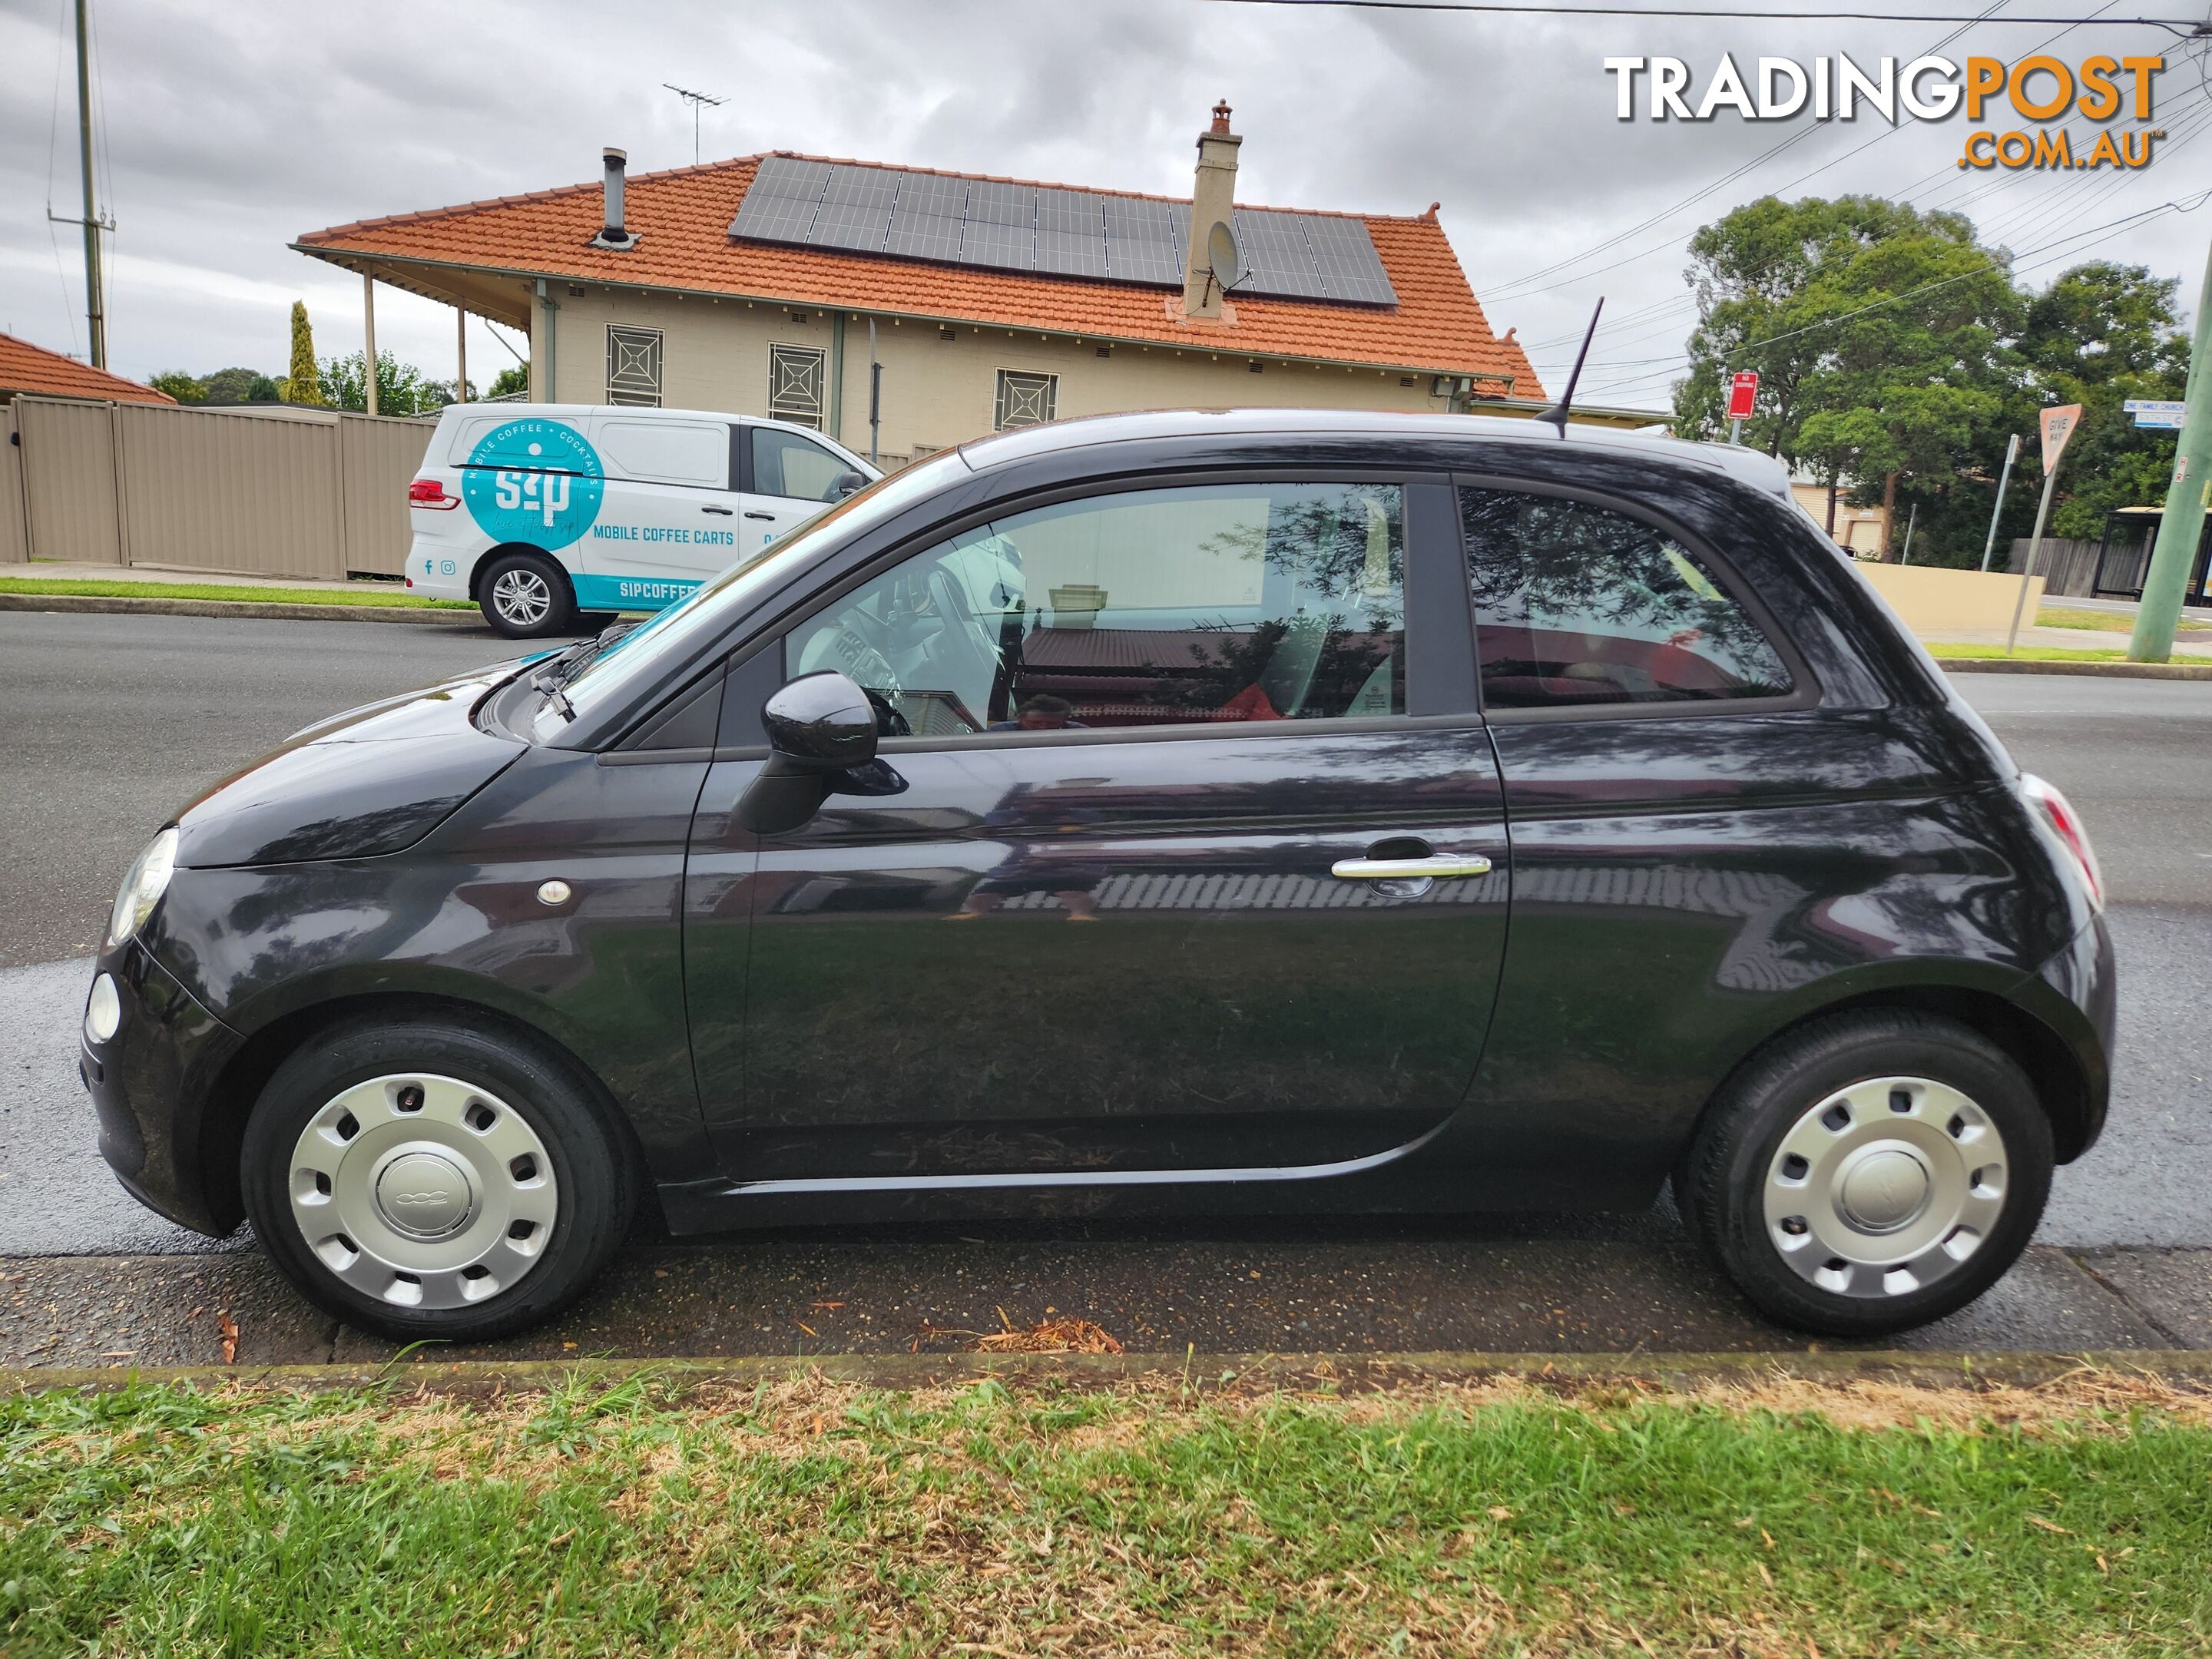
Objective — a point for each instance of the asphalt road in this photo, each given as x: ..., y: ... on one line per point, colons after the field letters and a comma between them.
x: 112, y: 722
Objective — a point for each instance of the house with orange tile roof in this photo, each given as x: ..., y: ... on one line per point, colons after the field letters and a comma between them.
x: 26, y: 368
x: 769, y: 284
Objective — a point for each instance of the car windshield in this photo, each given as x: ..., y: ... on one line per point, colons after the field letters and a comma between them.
x: 634, y: 658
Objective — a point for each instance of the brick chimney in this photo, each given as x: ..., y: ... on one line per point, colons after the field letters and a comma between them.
x: 1213, y: 202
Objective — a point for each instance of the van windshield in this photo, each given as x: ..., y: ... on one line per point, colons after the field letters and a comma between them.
x: 634, y: 659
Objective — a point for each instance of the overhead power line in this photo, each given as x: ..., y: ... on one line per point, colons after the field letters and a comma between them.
x: 2181, y: 25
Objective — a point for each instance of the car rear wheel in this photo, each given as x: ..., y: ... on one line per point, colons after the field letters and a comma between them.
x: 427, y: 1179
x: 1869, y: 1173
x: 525, y: 596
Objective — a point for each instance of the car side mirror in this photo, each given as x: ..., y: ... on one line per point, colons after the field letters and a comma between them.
x: 820, y: 736
x: 845, y: 483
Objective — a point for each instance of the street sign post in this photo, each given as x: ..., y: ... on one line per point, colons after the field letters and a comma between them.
x: 1743, y: 397
x: 2058, y: 426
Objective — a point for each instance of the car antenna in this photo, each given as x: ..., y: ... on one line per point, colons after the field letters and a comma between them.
x: 1557, y: 414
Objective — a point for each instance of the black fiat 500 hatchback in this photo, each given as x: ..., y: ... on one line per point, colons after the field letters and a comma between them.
x: 1256, y: 811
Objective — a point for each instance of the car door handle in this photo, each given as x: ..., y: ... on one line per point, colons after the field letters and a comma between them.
x: 1437, y: 864
x: 723, y: 511
x: 770, y: 516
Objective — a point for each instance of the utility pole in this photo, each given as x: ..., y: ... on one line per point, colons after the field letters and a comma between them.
x: 1911, y: 523
x: 2012, y: 454
x: 2186, y: 499
x: 95, y: 305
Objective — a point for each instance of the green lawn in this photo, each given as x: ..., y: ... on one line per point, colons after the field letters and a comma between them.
x: 808, y: 1517
x: 376, y: 593
x: 2107, y: 622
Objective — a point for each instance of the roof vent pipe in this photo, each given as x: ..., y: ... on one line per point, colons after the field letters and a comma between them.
x: 612, y: 234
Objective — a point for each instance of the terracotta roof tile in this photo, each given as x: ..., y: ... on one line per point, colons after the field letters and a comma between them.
x: 26, y: 368
x: 683, y: 218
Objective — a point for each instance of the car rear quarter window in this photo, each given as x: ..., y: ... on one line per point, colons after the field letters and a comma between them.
x: 1578, y: 605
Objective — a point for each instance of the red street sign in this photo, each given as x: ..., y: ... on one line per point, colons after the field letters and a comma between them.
x: 1743, y: 391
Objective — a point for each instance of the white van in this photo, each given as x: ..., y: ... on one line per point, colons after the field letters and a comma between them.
x: 542, y: 513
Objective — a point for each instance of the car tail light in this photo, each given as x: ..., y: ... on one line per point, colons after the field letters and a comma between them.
x: 428, y: 492
x: 2065, y: 823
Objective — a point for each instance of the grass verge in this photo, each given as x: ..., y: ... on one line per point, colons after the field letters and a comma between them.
x: 2105, y: 621
x: 813, y: 1518
x: 1939, y: 650
x: 372, y: 594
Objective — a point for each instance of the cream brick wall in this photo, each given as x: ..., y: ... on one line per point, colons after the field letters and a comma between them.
x: 937, y: 392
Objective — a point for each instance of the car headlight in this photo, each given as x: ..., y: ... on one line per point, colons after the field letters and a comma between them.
x: 143, y: 884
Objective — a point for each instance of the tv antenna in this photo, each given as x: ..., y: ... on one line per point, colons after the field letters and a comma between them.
x: 1557, y: 414
x: 697, y: 100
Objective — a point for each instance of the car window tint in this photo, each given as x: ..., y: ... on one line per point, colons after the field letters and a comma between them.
x: 1160, y: 607
x: 786, y: 464
x: 668, y: 452
x: 1575, y: 605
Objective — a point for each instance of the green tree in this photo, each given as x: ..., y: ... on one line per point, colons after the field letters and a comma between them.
x: 2100, y: 335
x: 1881, y: 337
x: 239, y: 385
x: 180, y: 385
x: 401, y: 388
x: 303, y: 385
x: 510, y: 382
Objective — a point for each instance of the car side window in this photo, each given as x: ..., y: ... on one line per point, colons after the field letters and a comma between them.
x: 786, y: 464
x: 1577, y: 606
x: 1213, y: 603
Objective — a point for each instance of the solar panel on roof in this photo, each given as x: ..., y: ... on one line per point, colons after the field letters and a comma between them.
x: 856, y: 210
x: 1033, y: 228
x: 1276, y: 255
x: 1345, y: 255
x: 925, y: 220
x: 1071, y: 234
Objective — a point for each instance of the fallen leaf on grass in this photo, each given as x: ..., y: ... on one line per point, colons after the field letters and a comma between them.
x: 2049, y: 1526
x: 228, y: 1326
x: 1062, y: 1335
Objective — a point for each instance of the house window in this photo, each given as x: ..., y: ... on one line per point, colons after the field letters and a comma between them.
x: 633, y: 366
x: 1025, y: 399
x: 794, y: 384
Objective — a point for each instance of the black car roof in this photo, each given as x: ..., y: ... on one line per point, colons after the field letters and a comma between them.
x: 1760, y: 471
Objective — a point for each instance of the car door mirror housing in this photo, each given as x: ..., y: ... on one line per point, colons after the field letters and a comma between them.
x: 821, y: 722
x: 845, y: 483
x: 822, y: 740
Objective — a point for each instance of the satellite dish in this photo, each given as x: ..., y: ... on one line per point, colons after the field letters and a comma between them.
x: 1224, y: 257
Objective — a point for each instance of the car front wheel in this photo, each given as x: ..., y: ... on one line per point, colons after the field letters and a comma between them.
x: 1869, y: 1173
x: 427, y: 1179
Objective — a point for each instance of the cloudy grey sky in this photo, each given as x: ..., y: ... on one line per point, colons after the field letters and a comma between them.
x: 227, y: 130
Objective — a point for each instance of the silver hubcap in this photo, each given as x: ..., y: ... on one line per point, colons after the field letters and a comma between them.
x: 424, y: 1191
x: 522, y: 597
x: 1885, y: 1187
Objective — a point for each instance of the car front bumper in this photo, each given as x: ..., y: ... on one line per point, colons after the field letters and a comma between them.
x: 150, y: 1084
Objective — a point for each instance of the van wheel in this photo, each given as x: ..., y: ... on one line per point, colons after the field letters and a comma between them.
x: 525, y: 595
x: 1869, y: 1173
x: 434, y: 1179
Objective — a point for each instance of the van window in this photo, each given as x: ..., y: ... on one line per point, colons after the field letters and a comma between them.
x: 1190, y: 606
x: 1576, y: 606
x: 669, y: 452
x: 786, y: 464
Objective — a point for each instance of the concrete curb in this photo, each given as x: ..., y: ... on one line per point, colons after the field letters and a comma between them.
x: 117, y: 605
x: 1347, y: 1372
x: 2113, y: 670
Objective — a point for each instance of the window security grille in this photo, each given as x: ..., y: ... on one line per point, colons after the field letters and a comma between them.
x: 795, y: 378
x: 633, y: 366
x: 1025, y: 399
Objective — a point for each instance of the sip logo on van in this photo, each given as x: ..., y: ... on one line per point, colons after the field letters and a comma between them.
x: 538, y: 482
